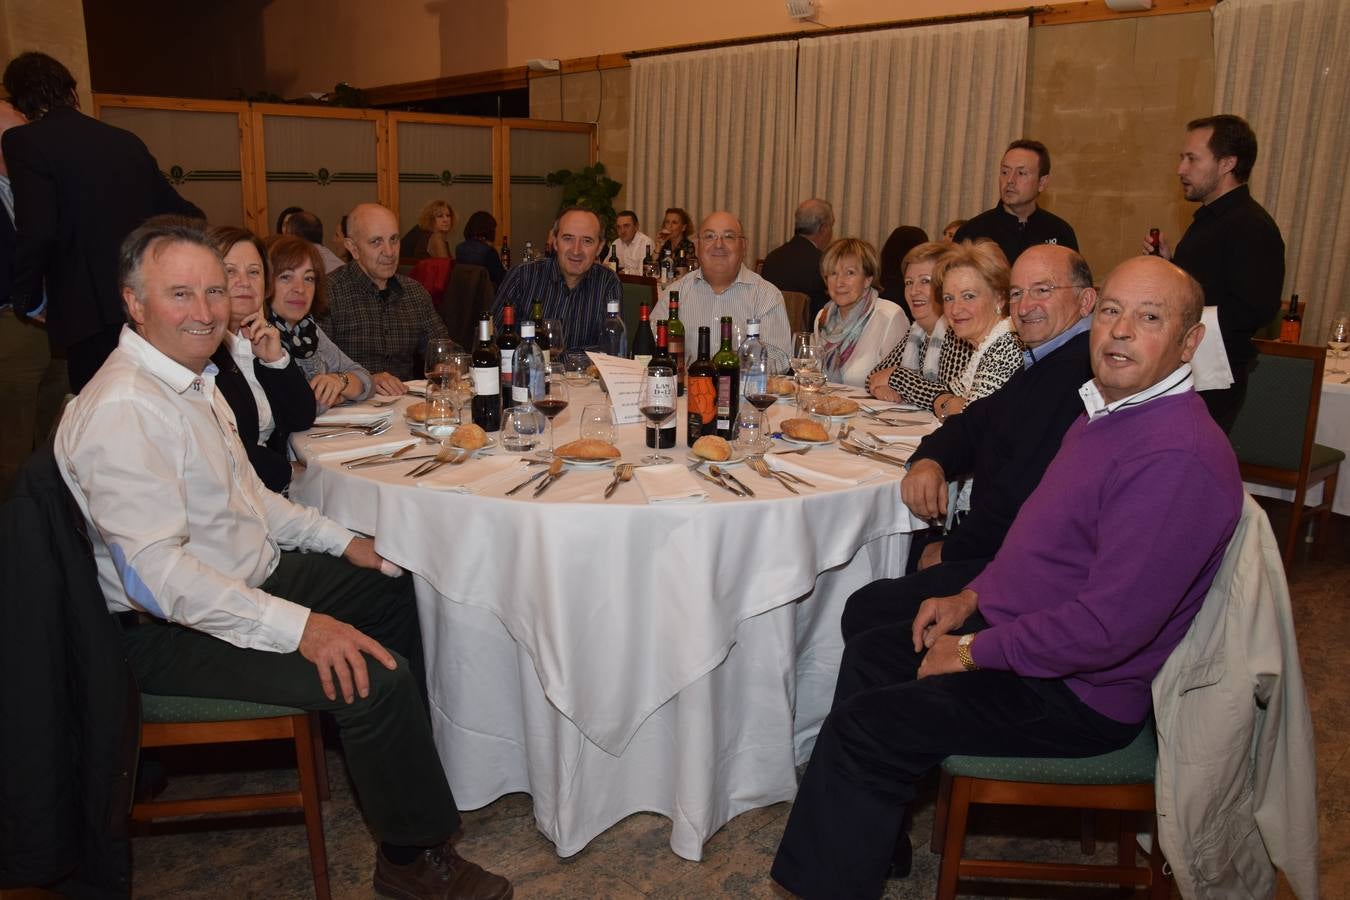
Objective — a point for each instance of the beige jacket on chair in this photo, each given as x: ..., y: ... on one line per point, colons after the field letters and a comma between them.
x: 1236, y: 778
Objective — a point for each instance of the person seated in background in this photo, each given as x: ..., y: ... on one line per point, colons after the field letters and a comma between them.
x: 1017, y: 222
x: 307, y: 225
x: 891, y: 280
x: 224, y: 589
x: 856, y: 326
x: 632, y: 245
x: 381, y: 319
x: 298, y: 291
x: 951, y: 228
x: 1051, y: 650
x: 572, y: 286
x: 1002, y: 444
x: 285, y: 216
x: 795, y: 266
x: 722, y: 285
x: 920, y: 366
x: 480, y: 233
x: 431, y: 235
x: 260, y: 381
x: 340, y: 235
x: 676, y: 235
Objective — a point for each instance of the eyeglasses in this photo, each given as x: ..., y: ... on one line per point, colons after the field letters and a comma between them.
x: 1038, y: 291
x: 726, y: 237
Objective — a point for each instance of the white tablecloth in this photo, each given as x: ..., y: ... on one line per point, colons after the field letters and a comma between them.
x: 1333, y: 430
x: 611, y: 657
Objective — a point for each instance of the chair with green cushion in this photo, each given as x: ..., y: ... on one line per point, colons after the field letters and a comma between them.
x: 1121, y: 781
x: 185, y: 721
x: 637, y: 290
x: 1274, y: 435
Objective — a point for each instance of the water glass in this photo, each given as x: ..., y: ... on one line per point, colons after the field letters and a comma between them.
x: 445, y: 357
x: 575, y: 364
x: 460, y: 388
x: 752, y: 431
x: 522, y: 427
x: 597, y: 424
x: 1338, y: 339
x: 441, y: 411
x: 810, y: 390
x: 804, y: 352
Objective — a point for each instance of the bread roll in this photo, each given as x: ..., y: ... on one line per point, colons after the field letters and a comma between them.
x: 836, y: 406
x: 804, y: 430
x: 469, y: 437
x: 588, y: 449
x: 712, y: 447
x: 417, y: 412
x: 781, y: 384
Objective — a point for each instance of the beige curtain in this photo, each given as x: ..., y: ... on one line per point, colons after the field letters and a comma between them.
x: 1284, y: 66
x: 907, y: 126
x: 713, y: 130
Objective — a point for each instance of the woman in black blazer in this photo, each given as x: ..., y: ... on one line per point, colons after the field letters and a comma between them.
x: 268, y: 393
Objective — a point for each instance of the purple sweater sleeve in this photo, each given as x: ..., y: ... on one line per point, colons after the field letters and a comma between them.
x: 1158, y: 526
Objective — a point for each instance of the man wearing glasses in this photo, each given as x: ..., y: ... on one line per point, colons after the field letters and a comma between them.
x: 723, y: 286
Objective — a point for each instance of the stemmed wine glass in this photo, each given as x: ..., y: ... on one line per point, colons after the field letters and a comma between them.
x: 551, y: 330
x: 804, y: 351
x: 1338, y: 339
x: 657, y: 403
x: 552, y: 401
x: 755, y: 371
x: 445, y: 357
x: 460, y: 388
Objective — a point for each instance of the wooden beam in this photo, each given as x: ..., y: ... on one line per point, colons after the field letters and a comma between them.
x: 493, y: 80
x: 1098, y: 11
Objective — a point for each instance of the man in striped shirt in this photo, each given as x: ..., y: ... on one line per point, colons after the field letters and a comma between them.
x: 723, y: 286
x: 573, y: 286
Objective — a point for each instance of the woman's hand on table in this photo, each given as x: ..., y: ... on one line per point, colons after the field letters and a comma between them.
x: 924, y: 490
x: 327, y: 389
x: 263, y: 335
x: 388, y: 385
x: 337, y: 651
x: 878, y: 385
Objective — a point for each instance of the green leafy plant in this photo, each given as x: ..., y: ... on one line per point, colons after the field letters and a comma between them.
x: 590, y: 188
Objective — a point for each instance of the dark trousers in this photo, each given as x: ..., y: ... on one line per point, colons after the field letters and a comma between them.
x: 887, y: 729
x: 386, y: 736
x: 83, y: 358
x: 893, y: 601
x: 1224, y: 406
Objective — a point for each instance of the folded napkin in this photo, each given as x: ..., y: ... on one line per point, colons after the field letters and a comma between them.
x: 910, y: 440
x: 338, y: 449
x: 836, y: 469
x: 669, y: 483
x: 356, y: 414
x: 417, y: 384
x: 1209, y: 365
x: 475, y: 476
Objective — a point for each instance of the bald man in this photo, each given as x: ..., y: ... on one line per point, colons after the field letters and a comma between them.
x: 723, y: 286
x: 379, y: 318
x: 1052, y: 649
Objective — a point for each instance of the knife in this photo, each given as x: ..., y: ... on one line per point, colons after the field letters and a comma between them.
x: 533, y: 478
x: 544, y: 485
x: 736, y: 481
x: 386, y: 460
x: 870, y: 454
x: 722, y: 484
x: 375, y: 457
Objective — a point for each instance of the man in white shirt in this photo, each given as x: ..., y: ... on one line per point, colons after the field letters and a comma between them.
x: 723, y: 286
x: 633, y: 245
x: 196, y: 558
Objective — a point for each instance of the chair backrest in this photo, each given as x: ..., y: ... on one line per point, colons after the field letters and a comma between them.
x: 797, y: 305
x: 637, y: 290
x: 1278, y: 420
x: 468, y: 295
x: 433, y: 273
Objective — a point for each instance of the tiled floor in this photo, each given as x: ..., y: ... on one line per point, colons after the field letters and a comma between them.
x: 633, y: 859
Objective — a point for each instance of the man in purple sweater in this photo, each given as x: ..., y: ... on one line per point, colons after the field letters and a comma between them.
x: 1051, y: 650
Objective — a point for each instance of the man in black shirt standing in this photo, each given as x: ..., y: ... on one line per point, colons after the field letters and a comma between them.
x: 1233, y: 247
x: 1017, y: 223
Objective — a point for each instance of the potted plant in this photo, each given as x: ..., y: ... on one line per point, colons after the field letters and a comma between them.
x: 590, y: 188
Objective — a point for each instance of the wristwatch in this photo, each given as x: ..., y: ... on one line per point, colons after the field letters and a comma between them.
x: 963, y: 645
x: 346, y: 381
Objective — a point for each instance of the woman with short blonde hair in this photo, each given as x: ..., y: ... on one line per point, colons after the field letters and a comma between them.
x: 856, y: 325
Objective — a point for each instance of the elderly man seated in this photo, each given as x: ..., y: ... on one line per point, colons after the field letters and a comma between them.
x: 723, y: 286
x: 1051, y: 650
x: 225, y: 589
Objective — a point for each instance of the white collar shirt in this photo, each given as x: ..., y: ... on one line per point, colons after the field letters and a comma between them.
x: 1179, y: 382
x: 631, y: 254
x: 181, y: 526
x: 749, y: 296
x: 242, y: 351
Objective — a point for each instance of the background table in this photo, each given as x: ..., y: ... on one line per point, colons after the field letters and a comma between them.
x: 610, y: 657
x: 1333, y: 430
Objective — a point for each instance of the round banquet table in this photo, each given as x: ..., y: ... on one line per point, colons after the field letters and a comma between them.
x: 611, y: 656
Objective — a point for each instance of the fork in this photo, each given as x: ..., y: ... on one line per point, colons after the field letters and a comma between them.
x: 370, y: 430
x: 762, y: 468
x: 622, y: 472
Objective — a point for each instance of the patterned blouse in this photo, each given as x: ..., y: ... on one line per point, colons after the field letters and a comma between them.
x: 1001, y: 358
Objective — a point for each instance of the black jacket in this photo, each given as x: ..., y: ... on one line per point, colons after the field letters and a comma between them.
x: 67, y: 700
x: 293, y: 408
x: 1006, y: 441
x: 795, y: 266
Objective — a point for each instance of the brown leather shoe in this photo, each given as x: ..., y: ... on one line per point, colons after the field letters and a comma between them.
x: 439, y: 874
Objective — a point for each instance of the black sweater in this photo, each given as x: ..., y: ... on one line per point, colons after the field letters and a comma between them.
x: 293, y: 409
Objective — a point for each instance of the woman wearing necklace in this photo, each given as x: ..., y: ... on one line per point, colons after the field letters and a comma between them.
x: 856, y: 325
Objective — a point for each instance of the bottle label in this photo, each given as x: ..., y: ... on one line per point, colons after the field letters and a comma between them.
x: 1290, y: 330
x: 486, y: 381
x: 702, y: 398
x: 662, y: 390
x: 508, y: 364
x: 723, y: 402
x: 520, y: 393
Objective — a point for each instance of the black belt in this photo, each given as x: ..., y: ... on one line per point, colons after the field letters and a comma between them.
x: 130, y: 618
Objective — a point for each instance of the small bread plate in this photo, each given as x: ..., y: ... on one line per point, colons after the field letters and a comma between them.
x: 588, y: 463
x: 738, y: 458
x: 796, y: 443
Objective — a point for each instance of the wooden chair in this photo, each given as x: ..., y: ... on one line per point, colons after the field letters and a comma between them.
x: 1120, y: 781
x: 798, y: 310
x: 637, y: 290
x: 1274, y: 435
x: 468, y: 294
x: 187, y: 721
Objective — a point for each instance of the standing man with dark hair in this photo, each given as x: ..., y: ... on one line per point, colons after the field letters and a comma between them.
x: 1233, y: 247
x: 1017, y: 222
x: 80, y: 187
x: 795, y: 266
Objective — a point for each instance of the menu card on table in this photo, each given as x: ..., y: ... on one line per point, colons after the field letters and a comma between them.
x: 623, y: 380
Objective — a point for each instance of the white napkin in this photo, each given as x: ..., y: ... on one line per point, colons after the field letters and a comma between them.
x: 417, y: 384
x: 474, y: 476
x: 838, y: 469
x: 356, y: 413
x: 1209, y: 366
x: 351, y: 447
x: 670, y: 483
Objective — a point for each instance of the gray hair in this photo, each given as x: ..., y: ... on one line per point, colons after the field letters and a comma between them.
x: 151, y: 238
x: 811, y: 216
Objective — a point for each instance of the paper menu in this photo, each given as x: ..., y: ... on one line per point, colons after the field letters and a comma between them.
x: 623, y: 380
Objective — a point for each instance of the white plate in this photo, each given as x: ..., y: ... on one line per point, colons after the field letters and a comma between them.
x: 738, y: 457
x: 588, y: 463
x: 796, y: 443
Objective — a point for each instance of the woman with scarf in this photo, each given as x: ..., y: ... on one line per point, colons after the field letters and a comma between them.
x: 297, y: 294
x: 856, y: 325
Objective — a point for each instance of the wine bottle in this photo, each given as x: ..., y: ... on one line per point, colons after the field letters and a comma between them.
x: 644, y: 345
x: 667, y: 267
x: 487, y: 363
x: 613, y: 263
x: 506, y: 253
x: 675, y: 329
x: 702, y: 390
x: 728, y: 377
x: 528, y: 369
x: 1291, y: 326
x: 527, y: 255
x: 648, y: 266
x: 613, y: 334
x: 663, y: 437
x: 506, y: 345
x: 1154, y: 242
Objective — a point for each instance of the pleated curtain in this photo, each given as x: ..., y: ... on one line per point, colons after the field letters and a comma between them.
x: 907, y: 126
x: 713, y: 130
x: 1284, y: 66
